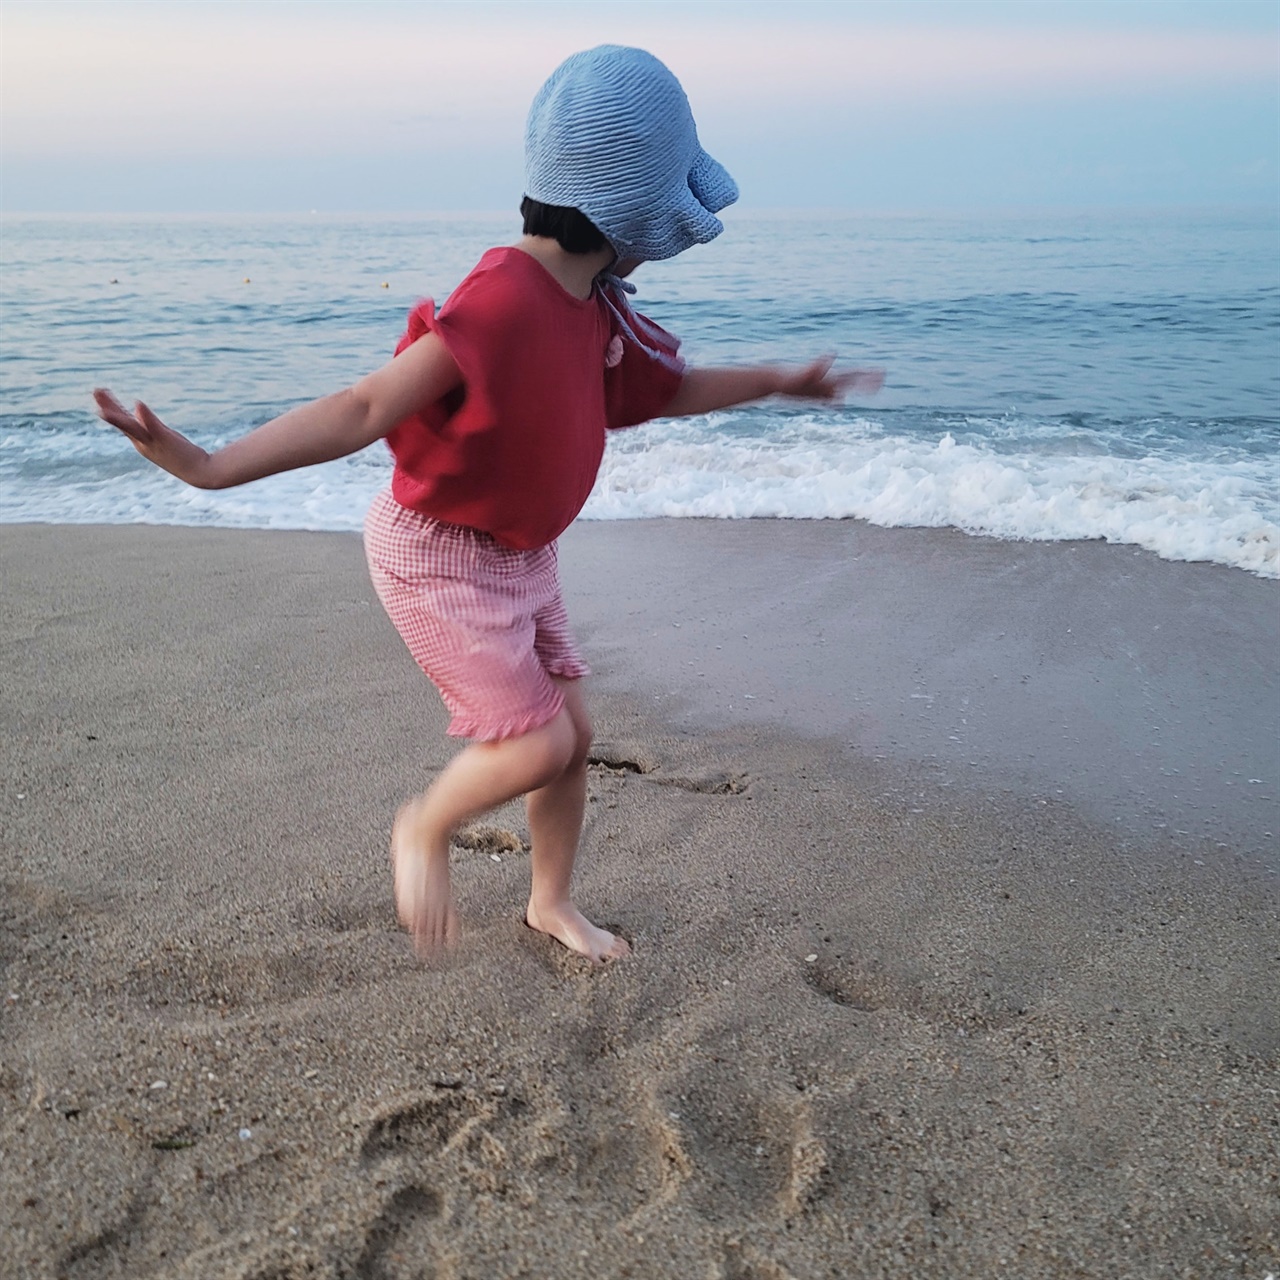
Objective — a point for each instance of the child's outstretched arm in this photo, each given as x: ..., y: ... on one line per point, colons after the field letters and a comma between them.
x: 706, y: 389
x: 329, y: 428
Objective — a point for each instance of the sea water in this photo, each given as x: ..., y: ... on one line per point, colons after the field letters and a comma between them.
x: 1049, y: 376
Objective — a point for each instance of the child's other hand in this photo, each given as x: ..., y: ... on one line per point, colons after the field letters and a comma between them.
x: 162, y: 445
x: 818, y: 382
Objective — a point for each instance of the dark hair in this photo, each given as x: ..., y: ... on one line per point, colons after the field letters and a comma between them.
x: 570, y: 228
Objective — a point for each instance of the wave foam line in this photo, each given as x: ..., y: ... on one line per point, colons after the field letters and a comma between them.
x: 1179, y: 508
x: 1220, y: 508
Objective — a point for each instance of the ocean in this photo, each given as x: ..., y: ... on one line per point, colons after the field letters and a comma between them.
x: 1049, y: 375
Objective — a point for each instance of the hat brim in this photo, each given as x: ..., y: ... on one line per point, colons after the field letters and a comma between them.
x: 711, y: 184
x: 675, y: 220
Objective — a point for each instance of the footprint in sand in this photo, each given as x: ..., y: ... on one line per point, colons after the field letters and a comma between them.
x: 637, y: 1167
x: 867, y: 991
x: 730, y: 1139
x: 620, y: 758
x: 96, y: 1255
x: 713, y: 782
x: 429, y: 1124
x: 620, y: 761
x: 758, y: 1156
x: 398, y: 1241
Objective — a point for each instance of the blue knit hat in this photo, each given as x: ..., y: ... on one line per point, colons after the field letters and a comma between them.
x: 611, y: 134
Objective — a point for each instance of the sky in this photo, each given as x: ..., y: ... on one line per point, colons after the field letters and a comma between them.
x: 294, y: 105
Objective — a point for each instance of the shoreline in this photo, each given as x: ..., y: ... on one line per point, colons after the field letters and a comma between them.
x: 886, y: 1014
x: 852, y: 622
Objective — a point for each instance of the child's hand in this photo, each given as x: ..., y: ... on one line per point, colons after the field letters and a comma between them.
x: 817, y: 382
x: 162, y: 445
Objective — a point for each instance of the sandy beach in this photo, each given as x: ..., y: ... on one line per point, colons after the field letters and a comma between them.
x: 950, y: 867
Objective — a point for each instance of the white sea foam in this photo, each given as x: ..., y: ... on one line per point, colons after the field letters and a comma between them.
x: 330, y: 497
x: 1180, y: 508
x: 1021, y: 484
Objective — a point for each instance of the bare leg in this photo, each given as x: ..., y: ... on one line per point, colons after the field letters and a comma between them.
x: 482, y: 776
x: 555, y: 823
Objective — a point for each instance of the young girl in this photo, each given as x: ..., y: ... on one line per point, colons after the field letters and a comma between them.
x: 495, y: 411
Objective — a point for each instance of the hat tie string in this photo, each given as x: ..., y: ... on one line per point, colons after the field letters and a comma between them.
x: 629, y: 320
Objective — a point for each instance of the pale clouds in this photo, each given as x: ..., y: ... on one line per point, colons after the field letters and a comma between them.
x: 418, y: 105
x: 316, y: 79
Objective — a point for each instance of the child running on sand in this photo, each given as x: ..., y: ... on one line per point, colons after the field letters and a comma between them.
x: 495, y: 411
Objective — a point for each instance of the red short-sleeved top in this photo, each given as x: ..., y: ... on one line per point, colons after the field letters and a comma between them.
x: 515, y: 449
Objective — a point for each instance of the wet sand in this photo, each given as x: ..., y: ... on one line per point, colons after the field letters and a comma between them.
x: 956, y: 940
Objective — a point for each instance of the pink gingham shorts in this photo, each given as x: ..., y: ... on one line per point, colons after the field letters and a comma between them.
x: 486, y: 623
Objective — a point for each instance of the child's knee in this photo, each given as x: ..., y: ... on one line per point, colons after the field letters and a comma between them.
x: 556, y: 747
x: 582, y: 739
x: 583, y: 734
x: 570, y: 743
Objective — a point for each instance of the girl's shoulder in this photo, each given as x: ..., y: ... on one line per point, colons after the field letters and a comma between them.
x: 508, y: 284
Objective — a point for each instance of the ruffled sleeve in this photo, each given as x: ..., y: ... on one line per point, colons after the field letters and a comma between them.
x: 480, y: 327
x: 416, y: 442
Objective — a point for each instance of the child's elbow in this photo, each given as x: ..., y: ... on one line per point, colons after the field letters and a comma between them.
x: 370, y: 418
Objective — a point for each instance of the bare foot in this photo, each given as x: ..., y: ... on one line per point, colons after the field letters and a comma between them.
x: 568, y: 925
x: 424, y: 901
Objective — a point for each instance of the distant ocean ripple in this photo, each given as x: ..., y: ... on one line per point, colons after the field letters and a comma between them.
x: 1067, y: 376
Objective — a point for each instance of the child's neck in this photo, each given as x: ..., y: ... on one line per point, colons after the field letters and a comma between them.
x: 574, y: 272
